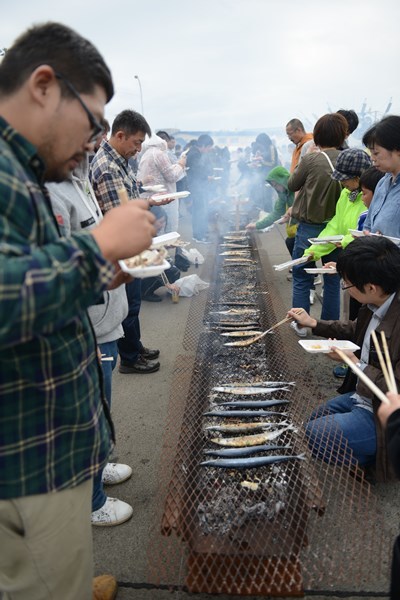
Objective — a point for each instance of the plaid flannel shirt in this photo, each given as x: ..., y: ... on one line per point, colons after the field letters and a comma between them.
x: 53, y: 429
x: 109, y: 172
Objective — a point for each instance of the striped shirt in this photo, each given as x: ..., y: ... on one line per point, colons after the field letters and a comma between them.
x: 109, y: 172
x: 53, y: 428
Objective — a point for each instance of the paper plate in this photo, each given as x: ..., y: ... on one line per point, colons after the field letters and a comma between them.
x: 143, y: 272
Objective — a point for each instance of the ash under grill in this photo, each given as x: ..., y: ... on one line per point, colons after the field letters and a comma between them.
x: 264, y: 530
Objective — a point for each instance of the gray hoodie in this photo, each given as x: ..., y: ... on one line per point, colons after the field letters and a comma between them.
x: 76, y: 209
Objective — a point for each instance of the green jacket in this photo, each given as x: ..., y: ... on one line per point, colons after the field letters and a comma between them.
x: 345, y: 218
x: 285, y: 199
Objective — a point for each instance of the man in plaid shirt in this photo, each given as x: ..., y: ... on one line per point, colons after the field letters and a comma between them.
x: 109, y: 172
x: 54, y: 424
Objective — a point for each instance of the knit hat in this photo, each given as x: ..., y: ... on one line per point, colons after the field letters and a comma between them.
x: 351, y: 163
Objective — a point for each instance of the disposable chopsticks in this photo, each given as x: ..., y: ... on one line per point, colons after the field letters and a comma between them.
x: 360, y: 373
x: 384, y: 361
x: 123, y: 196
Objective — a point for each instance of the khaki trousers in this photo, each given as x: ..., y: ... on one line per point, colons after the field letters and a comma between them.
x: 46, y: 546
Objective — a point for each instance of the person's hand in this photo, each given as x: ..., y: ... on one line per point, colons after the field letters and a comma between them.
x: 174, y: 288
x: 302, y: 317
x: 125, y: 231
x: 338, y: 244
x: 120, y: 278
x: 160, y: 202
x: 250, y: 226
x: 284, y: 219
x: 182, y: 161
x: 288, y: 213
x: 329, y: 265
x: 385, y: 410
x: 334, y: 356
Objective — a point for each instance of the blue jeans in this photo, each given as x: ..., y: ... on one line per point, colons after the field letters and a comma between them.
x: 109, y: 349
x: 303, y: 282
x: 339, y: 426
x: 129, y: 346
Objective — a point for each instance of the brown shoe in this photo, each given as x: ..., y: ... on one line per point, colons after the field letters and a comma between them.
x: 105, y: 587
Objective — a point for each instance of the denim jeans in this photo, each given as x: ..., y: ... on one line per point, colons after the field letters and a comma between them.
x: 337, y: 422
x: 303, y: 282
x: 109, y: 349
x: 129, y: 346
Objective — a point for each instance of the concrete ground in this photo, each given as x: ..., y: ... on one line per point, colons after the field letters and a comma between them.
x: 140, y: 405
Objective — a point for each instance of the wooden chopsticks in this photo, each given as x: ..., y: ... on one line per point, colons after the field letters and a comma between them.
x: 123, y: 196
x: 164, y: 278
x: 385, y: 363
x: 259, y: 337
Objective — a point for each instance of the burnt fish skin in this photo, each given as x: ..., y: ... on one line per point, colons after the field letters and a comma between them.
x: 254, y: 403
x: 240, y: 452
x: 252, y: 462
x: 250, y: 414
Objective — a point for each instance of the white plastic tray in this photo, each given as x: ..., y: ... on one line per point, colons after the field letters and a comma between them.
x: 143, y: 272
x: 170, y: 196
x: 165, y: 239
x: 291, y: 263
x: 321, y: 271
x: 154, y: 188
x: 324, y: 346
x: 357, y: 233
x: 329, y: 239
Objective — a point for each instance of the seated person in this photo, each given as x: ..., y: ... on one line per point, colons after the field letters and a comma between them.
x: 370, y: 271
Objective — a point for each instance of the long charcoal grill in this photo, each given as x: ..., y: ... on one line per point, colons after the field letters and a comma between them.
x: 305, y: 520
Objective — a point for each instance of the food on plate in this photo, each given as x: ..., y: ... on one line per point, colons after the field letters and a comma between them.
x: 147, y: 258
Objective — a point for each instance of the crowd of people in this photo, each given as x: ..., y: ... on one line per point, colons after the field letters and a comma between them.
x: 68, y: 311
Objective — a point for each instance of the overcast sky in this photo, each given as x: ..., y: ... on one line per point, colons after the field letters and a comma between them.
x: 234, y: 64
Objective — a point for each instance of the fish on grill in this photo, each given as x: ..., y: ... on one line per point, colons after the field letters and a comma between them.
x: 249, y: 414
x: 245, y: 427
x: 251, y: 462
x: 240, y: 452
x: 252, y: 440
x: 248, y: 391
x: 254, y: 403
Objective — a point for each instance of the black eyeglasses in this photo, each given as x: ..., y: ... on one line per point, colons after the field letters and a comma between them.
x: 346, y: 287
x: 97, y: 128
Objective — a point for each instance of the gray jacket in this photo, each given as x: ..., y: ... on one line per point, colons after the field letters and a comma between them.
x: 76, y: 209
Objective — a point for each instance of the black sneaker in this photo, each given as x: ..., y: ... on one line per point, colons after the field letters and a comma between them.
x: 141, y: 366
x: 149, y: 354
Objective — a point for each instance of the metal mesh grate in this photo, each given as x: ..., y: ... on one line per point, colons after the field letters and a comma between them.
x: 263, y: 530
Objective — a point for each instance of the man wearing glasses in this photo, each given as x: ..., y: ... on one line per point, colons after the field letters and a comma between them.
x: 55, y: 427
x: 346, y: 429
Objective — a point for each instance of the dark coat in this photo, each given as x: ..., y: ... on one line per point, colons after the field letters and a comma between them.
x: 355, y: 331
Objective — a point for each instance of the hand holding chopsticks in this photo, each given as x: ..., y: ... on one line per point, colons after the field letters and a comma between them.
x: 259, y: 337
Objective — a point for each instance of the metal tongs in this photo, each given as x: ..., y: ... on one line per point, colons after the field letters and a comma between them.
x: 259, y: 337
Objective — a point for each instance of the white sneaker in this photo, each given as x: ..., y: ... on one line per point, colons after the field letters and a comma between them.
x: 300, y: 331
x: 114, y: 473
x: 312, y: 296
x: 113, y: 512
